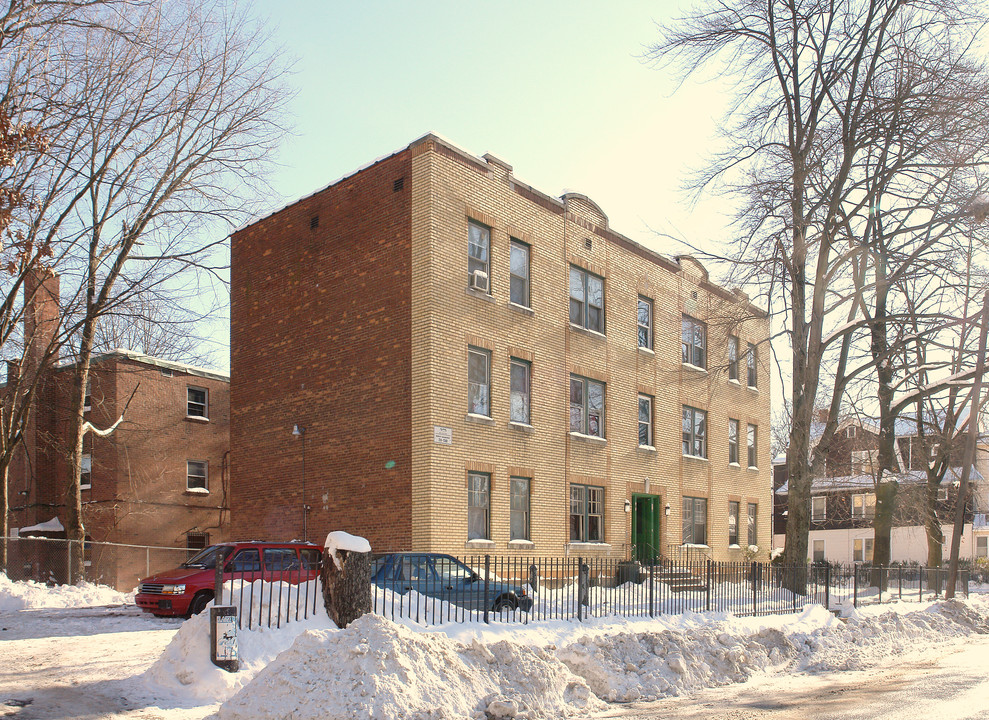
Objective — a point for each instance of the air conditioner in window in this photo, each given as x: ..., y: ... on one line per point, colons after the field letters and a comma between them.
x: 479, y: 280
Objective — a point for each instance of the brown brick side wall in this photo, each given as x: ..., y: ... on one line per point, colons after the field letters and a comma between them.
x: 320, y: 337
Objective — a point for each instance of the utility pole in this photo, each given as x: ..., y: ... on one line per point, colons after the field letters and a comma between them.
x: 970, y: 448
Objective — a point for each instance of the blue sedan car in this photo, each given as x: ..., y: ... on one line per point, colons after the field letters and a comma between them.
x: 445, y: 578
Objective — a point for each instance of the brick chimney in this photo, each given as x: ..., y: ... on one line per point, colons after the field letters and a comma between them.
x: 41, y: 316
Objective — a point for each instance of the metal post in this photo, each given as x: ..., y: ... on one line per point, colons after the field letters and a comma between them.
x: 147, y: 561
x: 707, y: 588
x: 755, y: 600
x: 487, y: 600
x: 218, y: 580
x: 827, y: 586
x: 855, y: 585
x: 652, y: 586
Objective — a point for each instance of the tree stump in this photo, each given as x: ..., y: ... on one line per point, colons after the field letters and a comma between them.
x: 346, y: 577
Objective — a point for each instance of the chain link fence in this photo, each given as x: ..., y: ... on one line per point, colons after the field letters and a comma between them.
x: 116, y: 565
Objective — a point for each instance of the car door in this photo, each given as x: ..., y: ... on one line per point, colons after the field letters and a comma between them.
x: 459, y: 583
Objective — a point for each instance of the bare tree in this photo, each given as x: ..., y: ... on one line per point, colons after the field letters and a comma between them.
x: 161, y: 126
x: 810, y: 80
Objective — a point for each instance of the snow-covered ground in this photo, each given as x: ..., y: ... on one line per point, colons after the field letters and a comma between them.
x: 88, y: 653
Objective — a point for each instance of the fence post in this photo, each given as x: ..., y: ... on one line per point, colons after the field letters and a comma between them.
x: 855, y: 585
x: 900, y: 580
x: 827, y: 586
x: 755, y: 601
x: 487, y: 574
x: 707, y: 587
x: 583, y: 587
x: 652, y: 586
x: 965, y: 575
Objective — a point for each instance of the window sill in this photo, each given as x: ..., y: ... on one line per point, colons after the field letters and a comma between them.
x: 753, y: 388
x: 588, y: 546
x: 647, y: 351
x: 197, y: 418
x: 646, y: 449
x: 734, y: 465
x: 479, y: 419
x: 694, y: 368
x: 479, y: 294
x: 695, y: 457
x: 521, y: 544
x: 479, y: 544
x: 589, y: 438
x: 734, y: 546
x: 588, y: 332
x: 521, y: 309
x: 752, y: 467
x: 196, y: 491
x: 697, y: 546
x: 86, y: 487
x: 521, y: 427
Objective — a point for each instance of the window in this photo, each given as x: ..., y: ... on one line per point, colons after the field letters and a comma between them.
x: 86, y: 471
x: 850, y: 431
x: 694, y: 432
x: 196, y: 475
x: 87, y: 401
x: 645, y: 323
x: 733, y: 357
x: 733, y: 441
x: 478, y: 381
x: 645, y: 421
x: 751, y: 441
x: 750, y: 364
x: 819, y: 508
x: 586, y: 300
x: 733, y: 522
x: 862, y: 550
x: 864, y: 461
x: 586, y: 406
x: 693, y: 342
x: 519, y: 273
x: 753, y: 515
x: 196, y: 541
x: 280, y: 559
x: 818, y: 551
x: 478, y: 247
x: 586, y: 513
x: 246, y: 561
x: 942, y: 494
x: 864, y: 506
x: 982, y: 546
x: 166, y: 372
x: 519, y: 519
x: 694, y: 521
x: 196, y: 402
x: 478, y: 505
x: 521, y: 390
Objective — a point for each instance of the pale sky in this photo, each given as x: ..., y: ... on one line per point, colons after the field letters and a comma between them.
x: 556, y: 89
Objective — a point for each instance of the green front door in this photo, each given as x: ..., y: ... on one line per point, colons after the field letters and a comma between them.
x: 645, y: 527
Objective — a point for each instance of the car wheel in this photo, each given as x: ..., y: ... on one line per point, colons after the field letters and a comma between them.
x: 199, y: 603
x: 505, y: 604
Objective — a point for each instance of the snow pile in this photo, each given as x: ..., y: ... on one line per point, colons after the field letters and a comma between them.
x: 380, y: 670
x: 184, y: 668
x: 30, y: 595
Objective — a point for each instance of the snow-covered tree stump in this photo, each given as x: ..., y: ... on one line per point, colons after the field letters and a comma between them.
x: 346, y: 577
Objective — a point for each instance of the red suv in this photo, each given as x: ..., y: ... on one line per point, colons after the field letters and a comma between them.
x: 188, y: 589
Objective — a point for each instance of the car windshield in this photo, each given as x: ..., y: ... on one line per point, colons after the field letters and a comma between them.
x: 207, y: 558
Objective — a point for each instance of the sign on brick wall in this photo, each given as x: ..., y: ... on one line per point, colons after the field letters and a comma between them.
x: 442, y: 435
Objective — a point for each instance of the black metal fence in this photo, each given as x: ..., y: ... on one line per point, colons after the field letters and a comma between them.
x: 268, y: 594
x: 432, y: 590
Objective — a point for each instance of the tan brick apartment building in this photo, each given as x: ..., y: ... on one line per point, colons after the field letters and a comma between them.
x: 475, y: 365
x: 159, y: 479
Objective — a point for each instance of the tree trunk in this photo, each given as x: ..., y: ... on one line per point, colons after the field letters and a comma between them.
x: 346, y: 590
x: 935, y: 537
x: 883, y: 528
x: 5, y: 511
x: 75, y: 530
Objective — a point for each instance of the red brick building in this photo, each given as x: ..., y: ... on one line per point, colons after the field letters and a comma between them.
x: 159, y: 479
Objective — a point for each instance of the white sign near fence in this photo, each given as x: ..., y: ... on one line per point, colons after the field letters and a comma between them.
x: 442, y: 435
